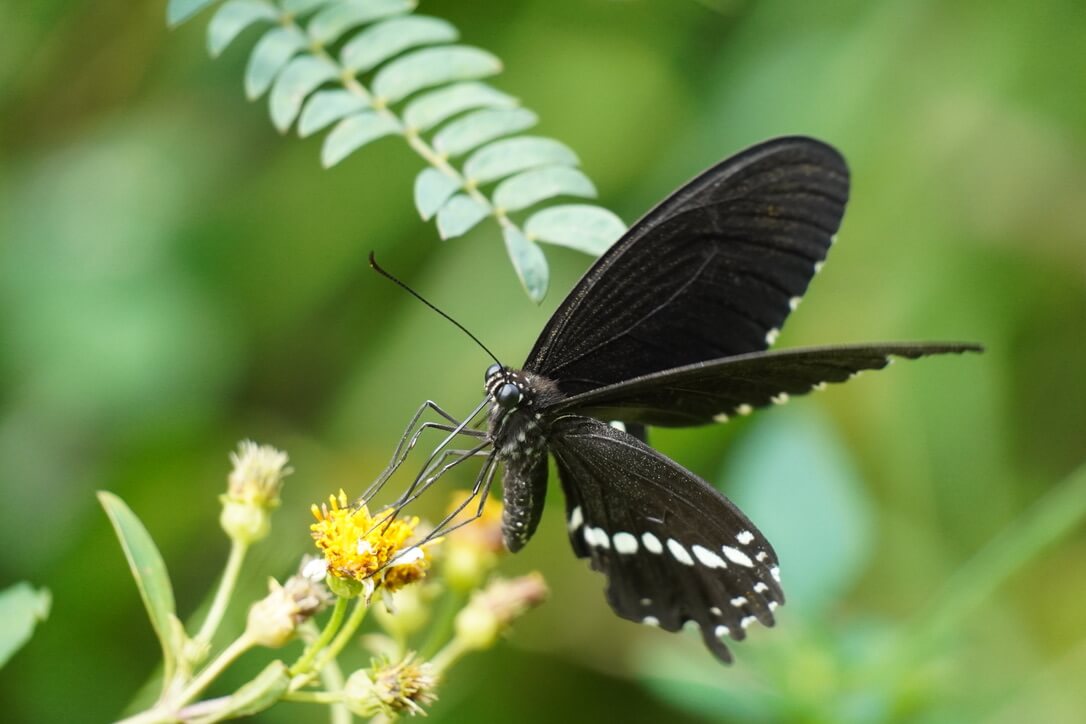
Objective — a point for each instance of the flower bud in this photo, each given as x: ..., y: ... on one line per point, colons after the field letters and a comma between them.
x: 244, y: 522
x: 492, y: 610
x: 252, y: 491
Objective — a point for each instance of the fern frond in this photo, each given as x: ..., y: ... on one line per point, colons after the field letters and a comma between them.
x: 361, y: 70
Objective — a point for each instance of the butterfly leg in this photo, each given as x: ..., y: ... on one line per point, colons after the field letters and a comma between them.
x: 433, y: 472
x: 480, y: 491
x: 411, y: 436
x: 460, y: 429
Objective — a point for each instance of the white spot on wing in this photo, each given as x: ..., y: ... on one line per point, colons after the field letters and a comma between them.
x: 773, y: 605
x: 708, y: 558
x: 720, y: 417
x: 716, y: 611
x: 760, y: 587
x: 776, y: 573
x: 817, y: 267
x: 744, y: 537
x: 650, y: 621
x: 747, y: 621
x: 771, y: 336
x: 646, y: 601
x: 744, y: 409
x: 596, y: 537
x: 739, y: 601
x: 819, y: 387
x: 652, y: 543
x: 793, y: 303
x: 624, y: 543
x: 762, y: 555
x: 575, y: 519
x: 737, y: 556
x: 618, y: 425
x: 779, y: 399
x: 681, y: 554
x: 721, y: 631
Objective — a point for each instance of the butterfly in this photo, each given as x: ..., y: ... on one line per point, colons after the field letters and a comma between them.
x: 670, y: 327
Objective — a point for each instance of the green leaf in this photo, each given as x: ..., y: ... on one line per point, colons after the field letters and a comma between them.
x: 271, y: 53
x: 21, y: 608
x: 590, y: 229
x: 459, y: 215
x: 789, y: 464
x: 300, y: 7
x: 329, y: 24
x: 352, y: 133
x: 432, y: 108
x: 511, y: 155
x: 178, y: 11
x: 300, y: 78
x: 149, y: 570
x: 432, y: 190
x: 430, y: 67
x: 325, y: 108
x: 232, y: 18
x: 479, y: 127
x: 530, y: 187
x: 529, y: 262
x: 375, y: 45
x: 254, y: 697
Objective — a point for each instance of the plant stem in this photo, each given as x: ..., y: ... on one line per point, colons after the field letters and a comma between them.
x: 443, y: 623
x: 304, y: 663
x: 222, y: 596
x: 239, y: 646
x: 314, y: 697
x: 448, y: 656
x: 345, y: 635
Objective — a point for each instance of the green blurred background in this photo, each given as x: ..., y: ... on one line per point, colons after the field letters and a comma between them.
x: 175, y: 276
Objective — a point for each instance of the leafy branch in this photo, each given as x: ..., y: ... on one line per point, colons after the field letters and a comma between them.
x: 366, y: 69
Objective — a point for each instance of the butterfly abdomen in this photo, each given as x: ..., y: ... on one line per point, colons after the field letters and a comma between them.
x: 520, y: 444
x: 523, y: 452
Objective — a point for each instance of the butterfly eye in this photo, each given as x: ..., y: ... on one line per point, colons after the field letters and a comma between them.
x: 508, y: 395
x: 491, y: 371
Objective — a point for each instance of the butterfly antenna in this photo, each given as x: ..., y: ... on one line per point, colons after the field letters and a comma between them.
x: 377, y: 268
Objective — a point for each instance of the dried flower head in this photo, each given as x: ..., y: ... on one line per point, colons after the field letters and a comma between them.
x: 257, y: 474
x: 392, y: 688
x: 357, y: 545
x: 273, y: 620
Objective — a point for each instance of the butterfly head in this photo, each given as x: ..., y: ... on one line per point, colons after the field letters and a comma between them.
x: 504, y: 386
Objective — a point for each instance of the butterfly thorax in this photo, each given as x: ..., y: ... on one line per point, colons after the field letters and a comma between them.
x: 518, y: 431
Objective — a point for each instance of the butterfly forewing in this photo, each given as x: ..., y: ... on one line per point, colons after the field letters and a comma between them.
x: 719, y: 389
x: 672, y: 547
x: 712, y: 272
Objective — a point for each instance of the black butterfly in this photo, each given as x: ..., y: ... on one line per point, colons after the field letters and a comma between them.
x: 670, y: 327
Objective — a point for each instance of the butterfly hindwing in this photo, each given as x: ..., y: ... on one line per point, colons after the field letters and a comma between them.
x: 720, y: 389
x: 672, y: 547
x: 712, y: 272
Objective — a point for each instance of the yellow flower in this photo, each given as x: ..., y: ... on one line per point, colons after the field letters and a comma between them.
x: 408, y: 567
x: 358, y: 546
